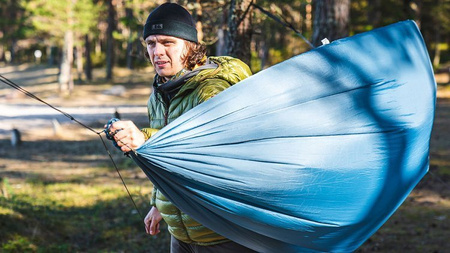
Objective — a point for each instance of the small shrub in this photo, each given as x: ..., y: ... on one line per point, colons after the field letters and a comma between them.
x: 18, y: 244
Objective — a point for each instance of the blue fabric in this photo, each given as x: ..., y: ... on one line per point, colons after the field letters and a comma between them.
x: 312, y: 154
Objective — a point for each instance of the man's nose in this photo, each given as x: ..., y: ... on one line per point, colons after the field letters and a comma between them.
x: 159, y: 49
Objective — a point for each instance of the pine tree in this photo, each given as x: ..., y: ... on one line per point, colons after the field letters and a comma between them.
x: 65, y: 22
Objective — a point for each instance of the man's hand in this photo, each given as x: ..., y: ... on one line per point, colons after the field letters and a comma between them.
x: 152, y: 220
x: 127, y: 136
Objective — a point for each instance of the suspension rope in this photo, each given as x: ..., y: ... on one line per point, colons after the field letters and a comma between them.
x: 439, y: 179
x: 31, y: 95
x: 283, y: 23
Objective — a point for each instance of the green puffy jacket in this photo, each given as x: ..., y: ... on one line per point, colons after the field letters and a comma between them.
x: 164, y: 108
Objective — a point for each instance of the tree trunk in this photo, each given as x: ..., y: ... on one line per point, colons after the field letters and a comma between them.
x: 65, y: 76
x: 129, y: 16
x: 80, y: 62
x: 331, y: 20
x: 437, y: 49
x: 51, y: 55
x: 140, y: 49
x: 239, y: 31
x: 13, y: 50
x: 2, y: 53
x: 110, y: 52
x: 87, y: 51
x: 263, y: 53
x: 198, y: 19
x: 221, y: 44
x: 412, y: 10
x: 308, y: 17
x: 374, y: 13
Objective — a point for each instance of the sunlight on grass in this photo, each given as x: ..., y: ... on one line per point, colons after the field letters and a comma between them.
x: 443, y: 91
x: 8, y: 211
x: 445, y: 203
x: 39, y: 215
x: 68, y: 195
x: 18, y: 244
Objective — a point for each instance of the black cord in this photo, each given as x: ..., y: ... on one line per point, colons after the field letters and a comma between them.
x: 439, y: 179
x: 31, y: 95
x: 283, y: 23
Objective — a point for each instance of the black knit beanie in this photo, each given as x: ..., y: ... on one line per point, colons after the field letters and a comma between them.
x: 172, y: 20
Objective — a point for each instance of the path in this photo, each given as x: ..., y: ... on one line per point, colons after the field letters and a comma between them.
x: 91, y: 105
x: 26, y: 117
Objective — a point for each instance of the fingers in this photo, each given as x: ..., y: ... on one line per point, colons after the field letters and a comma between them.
x: 127, y: 135
x: 157, y: 229
x: 154, y: 227
x: 147, y: 222
x: 151, y: 221
x: 120, y: 125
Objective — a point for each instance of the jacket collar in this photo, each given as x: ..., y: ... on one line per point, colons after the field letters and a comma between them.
x: 170, y: 88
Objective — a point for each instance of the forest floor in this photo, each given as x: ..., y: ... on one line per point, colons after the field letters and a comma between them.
x: 59, y: 191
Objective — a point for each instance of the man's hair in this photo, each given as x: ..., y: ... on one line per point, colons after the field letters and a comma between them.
x: 195, y: 54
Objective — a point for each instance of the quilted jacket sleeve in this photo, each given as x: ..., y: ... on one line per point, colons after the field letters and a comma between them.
x: 149, y: 132
x: 211, y: 87
x: 153, y: 198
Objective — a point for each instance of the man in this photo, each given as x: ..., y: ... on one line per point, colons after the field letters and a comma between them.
x: 185, y: 78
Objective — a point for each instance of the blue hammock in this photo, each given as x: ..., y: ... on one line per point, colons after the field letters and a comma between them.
x: 312, y: 154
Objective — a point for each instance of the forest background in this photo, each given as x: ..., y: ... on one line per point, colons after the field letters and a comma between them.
x: 59, y: 191
x: 88, y: 34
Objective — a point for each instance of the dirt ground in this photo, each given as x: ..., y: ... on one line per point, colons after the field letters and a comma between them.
x: 51, y: 142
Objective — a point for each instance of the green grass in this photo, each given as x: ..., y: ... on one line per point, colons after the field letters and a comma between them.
x: 68, y: 217
x: 417, y: 226
x: 65, y: 196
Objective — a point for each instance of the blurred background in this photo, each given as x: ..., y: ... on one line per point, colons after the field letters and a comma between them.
x: 59, y: 191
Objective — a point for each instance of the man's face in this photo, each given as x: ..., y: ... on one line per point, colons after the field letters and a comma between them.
x: 166, y: 54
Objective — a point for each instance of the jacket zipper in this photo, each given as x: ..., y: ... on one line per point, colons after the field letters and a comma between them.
x: 166, y: 106
x: 166, y: 111
x: 166, y: 116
